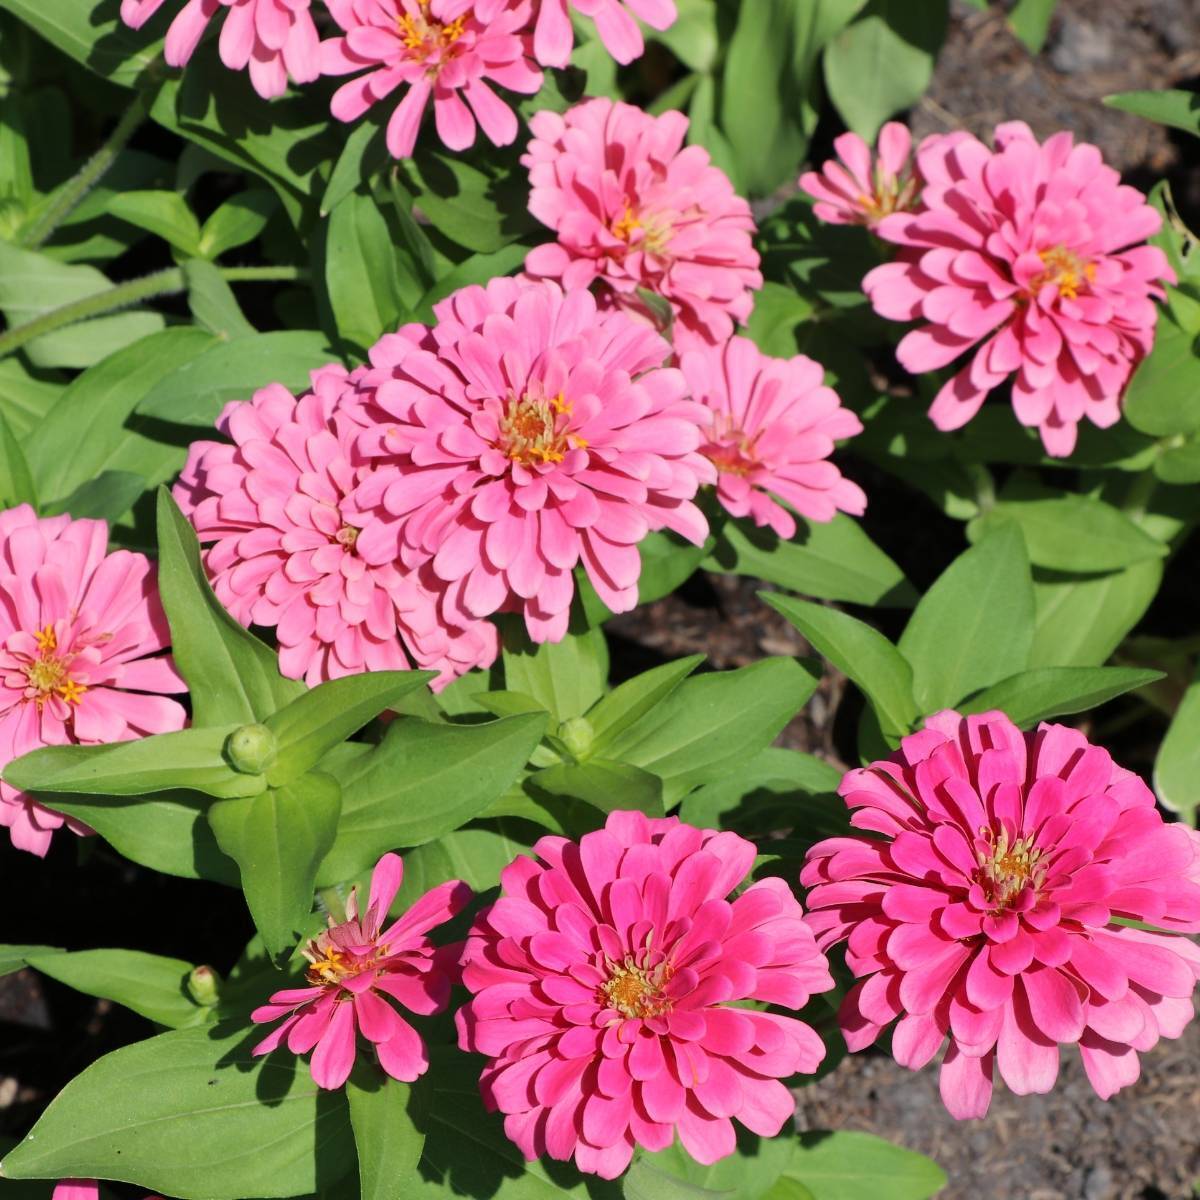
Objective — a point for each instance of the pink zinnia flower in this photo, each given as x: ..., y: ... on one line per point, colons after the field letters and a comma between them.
x: 526, y: 433
x: 275, y: 505
x: 986, y: 906
x: 1033, y: 248
x: 76, y: 627
x: 772, y: 428
x: 633, y: 208
x: 81, y: 1189
x: 854, y: 190
x: 355, y: 968
x: 447, y: 49
x: 274, y: 38
x: 604, y: 978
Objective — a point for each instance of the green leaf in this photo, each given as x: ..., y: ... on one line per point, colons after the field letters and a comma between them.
x: 747, y: 1174
x: 479, y: 268
x: 833, y: 560
x: 476, y: 855
x: 421, y: 782
x: 192, y: 1115
x: 712, y: 724
x: 27, y: 401
x: 238, y: 221
x: 693, y: 38
x: 92, y: 429
x: 1030, y: 21
x: 645, y: 1181
x: 628, y: 703
x: 565, y: 677
x: 1071, y: 533
x: 849, y: 1166
x: 668, y: 562
x: 363, y: 153
x: 1177, y: 767
x: 32, y: 284
x: 16, y: 482
x: 1173, y: 107
x: 212, y: 301
x: 883, y: 62
x: 108, y: 497
x: 232, y: 676
x: 388, y: 1139
x: 1037, y: 695
x: 163, y: 213
x: 778, y: 310
x: 606, y: 786
x: 278, y: 839
x: 975, y: 625
x: 148, y: 984
x: 1163, y: 394
x: 14, y: 958
x: 878, y: 669
x: 197, y: 391
x: 319, y: 719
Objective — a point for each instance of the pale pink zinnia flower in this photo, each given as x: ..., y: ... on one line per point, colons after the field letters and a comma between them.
x: 605, y: 978
x: 76, y: 627
x: 445, y: 49
x: 987, y: 904
x: 1031, y: 250
x: 633, y: 208
x: 355, y: 968
x: 772, y: 428
x: 856, y: 188
x: 274, y: 38
x: 274, y: 504
x: 524, y: 434
x: 81, y: 1189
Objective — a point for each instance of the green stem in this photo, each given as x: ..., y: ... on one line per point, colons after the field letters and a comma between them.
x: 122, y: 295
x: 1137, y: 499
x: 92, y: 171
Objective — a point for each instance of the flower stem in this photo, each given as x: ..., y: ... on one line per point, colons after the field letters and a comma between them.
x: 86, y: 178
x: 161, y: 283
x: 1137, y: 499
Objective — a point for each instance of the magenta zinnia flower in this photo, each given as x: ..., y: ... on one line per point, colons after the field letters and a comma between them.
x: 1034, y: 248
x: 604, y: 978
x: 858, y: 189
x: 772, y: 428
x: 274, y: 38
x: 447, y: 49
x: 526, y: 433
x: 355, y: 968
x: 275, y: 505
x: 986, y: 905
x: 76, y: 628
x: 633, y: 208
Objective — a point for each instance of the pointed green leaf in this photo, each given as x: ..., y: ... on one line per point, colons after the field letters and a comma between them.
x: 1170, y: 106
x: 627, y: 704
x: 15, y: 958
x: 238, y: 221
x: 386, y: 1116
x: 566, y: 677
x: 1177, y: 767
x: 108, y: 497
x: 1037, y: 695
x: 16, y: 482
x: 213, y: 303
x: 607, y: 786
x: 160, y: 212
x: 848, y: 1166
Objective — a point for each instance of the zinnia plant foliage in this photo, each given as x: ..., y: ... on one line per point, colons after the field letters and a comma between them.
x: 383, y: 390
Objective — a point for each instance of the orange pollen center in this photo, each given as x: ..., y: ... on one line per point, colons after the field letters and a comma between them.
x: 635, y: 992
x: 1065, y: 270
x: 425, y: 36
x: 533, y: 430
x: 1007, y: 868
x: 656, y: 232
x: 328, y: 964
x: 49, y: 675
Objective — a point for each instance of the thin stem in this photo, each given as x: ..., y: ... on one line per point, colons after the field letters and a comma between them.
x: 92, y: 171
x: 161, y: 283
x: 1137, y: 499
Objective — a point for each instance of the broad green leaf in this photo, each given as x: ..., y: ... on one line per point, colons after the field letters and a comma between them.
x: 479, y: 268
x: 1173, y: 107
x: 16, y: 482
x: 1030, y: 21
x: 833, y: 560
x: 27, y: 400
x: 849, y: 1166
x: 92, y: 429
x: 1180, y: 464
x: 238, y: 221
x: 420, y: 783
x: 1081, y: 620
x: 628, y: 703
x: 646, y: 1181
x: 778, y: 309
x: 32, y: 284
x: 167, y: 832
x: 1071, y: 533
x: 386, y: 1117
x: 15, y: 958
x: 1037, y: 695
x: 163, y: 213
x: 278, y: 839
x: 566, y: 677
x: 108, y: 497
x: 196, y: 392
x: 232, y: 676
x: 668, y: 562
x: 607, y: 786
x: 975, y: 625
x: 713, y: 724
x: 693, y: 38
x: 319, y: 719
x: 878, y: 669
x: 363, y: 153
x: 476, y: 855
x: 191, y: 1115
x: 150, y: 985
x: 1177, y: 767
x: 1163, y: 394
x: 882, y: 63
x: 213, y: 303
x: 746, y: 1174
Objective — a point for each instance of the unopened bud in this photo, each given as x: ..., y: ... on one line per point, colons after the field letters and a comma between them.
x: 204, y: 986
x: 251, y: 749
x: 577, y: 735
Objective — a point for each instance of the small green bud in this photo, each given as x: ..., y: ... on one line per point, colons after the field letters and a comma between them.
x: 251, y: 749
x: 577, y: 735
x: 204, y: 986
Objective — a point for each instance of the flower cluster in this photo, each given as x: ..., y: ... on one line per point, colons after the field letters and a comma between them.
x: 80, y: 638
x: 998, y: 903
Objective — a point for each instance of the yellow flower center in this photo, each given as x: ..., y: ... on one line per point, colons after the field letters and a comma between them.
x: 656, y: 231
x: 533, y: 430
x: 328, y: 964
x: 1008, y: 867
x: 1065, y: 270
x: 420, y: 33
x: 730, y: 449
x: 635, y: 992
x: 49, y: 674
x: 347, y: 536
